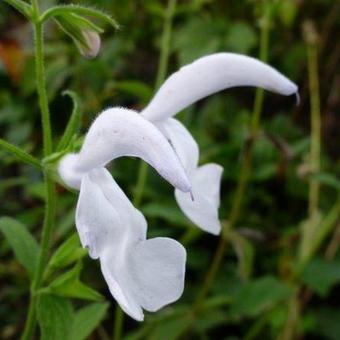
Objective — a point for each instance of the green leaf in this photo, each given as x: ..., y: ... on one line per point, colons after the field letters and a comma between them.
x: 258, y: 296
x: 55, y: 316
x: 171, y: 329
x: 69, y: 252
x: 241, y: 38
x: 21, y: 6
x: 20, y: 154
x: 168, y: 212
x: 136, y: 88
x: 80, y: 10
x: 87, y: 319
x: 328, y: 179
x: 321, y: 275
x: 73, y: 124
x: 22, y: 242
x: 69, y: 285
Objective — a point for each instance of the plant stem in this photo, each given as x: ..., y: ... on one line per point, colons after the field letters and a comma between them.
x: 244, y: 172
x: 314, y: 235
x: 143, y: 166
x: 314, y: 186
x: 49, y: 184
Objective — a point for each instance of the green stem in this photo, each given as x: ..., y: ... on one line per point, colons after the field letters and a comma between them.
x: 143, y: 166
x: 313, y: 236
x: 244, y: 173
x: 49, y: 184
x: 314, y: 186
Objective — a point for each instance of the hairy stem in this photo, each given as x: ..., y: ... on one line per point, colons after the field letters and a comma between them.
x: 49, y: 184
x: 143, y: 166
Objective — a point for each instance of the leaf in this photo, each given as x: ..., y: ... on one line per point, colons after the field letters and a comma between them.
x: 136, y: 88
x: 171, y: 329
x: 80, y: 10
x: 21, y: 6
x: 328, y: 179
x: 241, y: 38
x: 87, y: 319
x: 168, y: 212
x: 25, y: 247
x: 321, y: 275
x: 20, y: 154
x: 259, y: 295
x: 55, y: 317
x: 69, y: 285
x: 69, y: 252
x: 73, y: 124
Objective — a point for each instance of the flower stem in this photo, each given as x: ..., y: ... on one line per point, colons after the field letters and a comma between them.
x: 49, y: 184
x: 244, y: 173
x: 314, y: 186
x: 143, y: 166
x: 316, y: 232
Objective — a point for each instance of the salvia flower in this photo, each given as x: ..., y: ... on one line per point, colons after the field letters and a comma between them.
x: 149, y: 273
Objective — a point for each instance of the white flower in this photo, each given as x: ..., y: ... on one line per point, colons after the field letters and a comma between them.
x: 148, y: 274
x: 191, y: 83
x: 141, y: 274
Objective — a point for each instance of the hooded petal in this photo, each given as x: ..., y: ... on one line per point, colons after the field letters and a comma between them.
x: 182, y: 141
x: 68, y: 171
x: 209, y: 75
x: 203, y: 211
x: 120, y: 132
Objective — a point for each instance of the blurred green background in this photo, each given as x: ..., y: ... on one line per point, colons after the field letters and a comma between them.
x: 255, y: 290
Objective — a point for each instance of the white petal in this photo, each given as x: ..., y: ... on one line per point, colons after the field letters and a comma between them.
x: 120, y: 132
x: 111, y: 227
x: 203, y: 211
x: 158, y: 269
x: 209, y: 75
x: 121, y: 286
x: 182, y: 141
x: 105, y: 216
x: 97, y: 220
x: 68, y: 172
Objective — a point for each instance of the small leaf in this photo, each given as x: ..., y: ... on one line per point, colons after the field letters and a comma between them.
x: 328, y: 179
x: 259, y: 295
x: 69, y: 252
x: 171, y: 329
x: 73, y: 124
x: 321, y: 275
x: 80, y: 10
x: 21, y: 6
x: 20, y: 154
x: 22, y: 242
x: 136, y: 88
x: 55, y: 316
x: 69, y: 285
x: 87, y: 319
